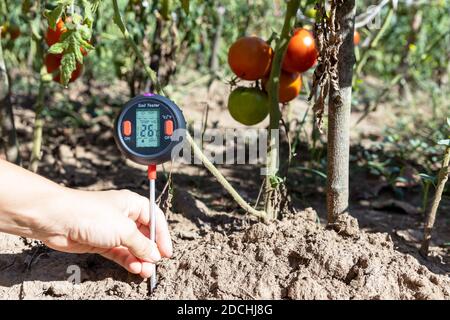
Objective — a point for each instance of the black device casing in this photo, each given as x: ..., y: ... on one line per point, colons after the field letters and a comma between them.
x: 150, y: 155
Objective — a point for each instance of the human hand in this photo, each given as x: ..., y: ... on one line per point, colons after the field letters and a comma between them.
x: 114, y: 224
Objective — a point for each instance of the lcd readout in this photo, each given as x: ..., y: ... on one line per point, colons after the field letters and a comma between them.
x: 147, y: 128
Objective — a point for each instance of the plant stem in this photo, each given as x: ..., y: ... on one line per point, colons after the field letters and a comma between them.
x: 431, y: 216
x: 426, y: 191
x: 222, y: 180
x: 197, y: 151
x: 272, y: 191
x: 38, y: 126
x: 214, y: 59
x: 118, y: 19
x: 374, y: 42
x: 338, y: 147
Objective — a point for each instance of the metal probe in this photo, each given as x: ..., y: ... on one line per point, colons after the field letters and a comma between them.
x: 152, y: 177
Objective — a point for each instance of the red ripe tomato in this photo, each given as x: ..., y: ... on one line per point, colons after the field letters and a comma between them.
x: 52, y: 62
x: 356, y: 38
x: 75, y: 74
x: 301, y: 53
x: 289, y: 87
x: 53, y: 35
x: 250, y: 58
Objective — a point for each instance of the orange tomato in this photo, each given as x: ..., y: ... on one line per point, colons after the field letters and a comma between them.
x: 53, y: 35
x: 301, y: 53
x: 356, y: 38
x: 250, y: 58
x: 289, y: 88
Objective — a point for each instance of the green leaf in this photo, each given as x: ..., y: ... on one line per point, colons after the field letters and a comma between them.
x: 445, y: 142
x: 79, y: 56
x: 85, y: 32
x: 88, y: 13
x: 57, y: 48
x: 185, y: 5
x: 118, y: 21
x: 68, y: 65
x: 54, y: 15
x: 448, y: 121
x: 426, y: 177
x: 35, y: 29
x: 275, y: 181
x: 317, y: 172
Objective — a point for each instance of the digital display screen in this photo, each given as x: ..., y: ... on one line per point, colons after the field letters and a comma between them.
x: 147, y: 128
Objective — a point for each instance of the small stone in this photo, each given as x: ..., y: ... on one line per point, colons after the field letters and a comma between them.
x: 66, y: 155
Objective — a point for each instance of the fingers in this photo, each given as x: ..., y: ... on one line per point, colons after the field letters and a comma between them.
x: 147, y: 270
x: 139, y: 245
x: 124, y: 258
x: 163, y: 239
x: 139, y: 211
x: 139, y: 207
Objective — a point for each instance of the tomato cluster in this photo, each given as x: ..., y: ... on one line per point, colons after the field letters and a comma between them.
x: 53, y: 61
x: 250, y: 58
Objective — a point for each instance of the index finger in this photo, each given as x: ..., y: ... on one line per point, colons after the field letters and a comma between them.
x: 163, y: 239
x: 139, y: 211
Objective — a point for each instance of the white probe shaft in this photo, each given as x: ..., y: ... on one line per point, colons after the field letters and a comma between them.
x: 153, y: 278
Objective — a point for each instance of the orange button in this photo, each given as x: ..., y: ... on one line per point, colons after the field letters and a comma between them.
x: 126, y: 128
x: 168, y: 127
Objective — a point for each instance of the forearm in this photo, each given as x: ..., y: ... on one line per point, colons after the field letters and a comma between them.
x: 27, y: 201
x: 112, y: 223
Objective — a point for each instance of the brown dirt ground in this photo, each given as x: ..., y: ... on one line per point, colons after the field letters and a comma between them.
x: 219, y: 254
x: 295, y: 258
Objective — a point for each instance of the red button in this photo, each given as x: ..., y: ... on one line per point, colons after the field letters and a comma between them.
x: 168, y: 127
x: 126, y: 128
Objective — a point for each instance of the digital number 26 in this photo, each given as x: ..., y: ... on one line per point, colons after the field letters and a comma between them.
x: 147, y: 129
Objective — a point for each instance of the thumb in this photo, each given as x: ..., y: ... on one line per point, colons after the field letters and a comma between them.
x: 139, y: 245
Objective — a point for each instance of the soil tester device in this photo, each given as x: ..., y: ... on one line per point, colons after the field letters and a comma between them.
x: 144, y: 132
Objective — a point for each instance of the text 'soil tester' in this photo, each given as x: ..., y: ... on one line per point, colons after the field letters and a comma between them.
x: 144, y: 132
